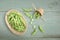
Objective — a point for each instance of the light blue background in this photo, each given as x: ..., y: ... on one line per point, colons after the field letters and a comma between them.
x: 51, y: 15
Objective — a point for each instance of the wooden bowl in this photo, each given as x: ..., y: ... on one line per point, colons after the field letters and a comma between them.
x: 9, y: 26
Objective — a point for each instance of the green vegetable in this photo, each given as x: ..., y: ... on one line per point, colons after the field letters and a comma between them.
x: 29, y: 15
x: 40, y: 28
x: 32, y: 20
x: 27, y: 10
x: 34, y: 31
x: 16, y: 21
x: 36, y: 15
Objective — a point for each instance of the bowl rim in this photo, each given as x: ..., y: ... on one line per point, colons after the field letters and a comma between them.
x: 8, y: 25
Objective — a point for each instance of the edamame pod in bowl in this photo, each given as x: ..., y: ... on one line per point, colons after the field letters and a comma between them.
x: 15, y: 22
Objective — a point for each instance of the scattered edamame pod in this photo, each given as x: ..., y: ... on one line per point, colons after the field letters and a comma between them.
x: 34, y: 31
x: 29, y: 15
x: 27, y: 9
x: 40, y: 28
x: 36, y: 15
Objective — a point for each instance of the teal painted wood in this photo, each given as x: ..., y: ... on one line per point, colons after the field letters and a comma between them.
x: 51, y: 15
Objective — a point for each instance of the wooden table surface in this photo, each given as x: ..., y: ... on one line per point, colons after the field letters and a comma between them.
x: 51, y: 15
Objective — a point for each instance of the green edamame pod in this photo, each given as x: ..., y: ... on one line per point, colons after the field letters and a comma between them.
x: 40, y: 28
x: 27, y: 10
x: 36, y: 15
x: 29, y: 15
x: 34, y: 31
